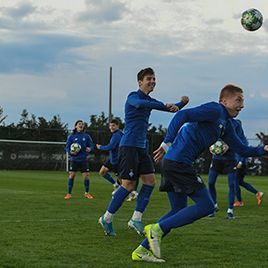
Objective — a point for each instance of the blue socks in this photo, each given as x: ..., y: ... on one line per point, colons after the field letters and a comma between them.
x: 212, y: 177
x: 86, y: 184
x: 70, y: 185
x: 247, y: 186
x: 109, y: 178
x: 118, y: 199
x: 144, y: 197
x: 231, y: 194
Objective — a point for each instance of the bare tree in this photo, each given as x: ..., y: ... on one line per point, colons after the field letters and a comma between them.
x: 2, y: 116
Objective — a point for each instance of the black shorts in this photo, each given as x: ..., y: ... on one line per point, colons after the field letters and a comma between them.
x: 111, y: 167
x: 223, y: 166
x: 134, y: 162
x: 79, y: 166
x: 179, y: 178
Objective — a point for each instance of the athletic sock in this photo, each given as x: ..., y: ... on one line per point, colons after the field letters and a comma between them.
x: 230, y: 210
x: 118, y: 199
x: 70, y: 185
x: 86, y: 184
x: 136, y: 216
x: 231, y: 194
x: 109, y: 178
x: 212, y: 177
x: 108, y: 217
x: 144, y: 197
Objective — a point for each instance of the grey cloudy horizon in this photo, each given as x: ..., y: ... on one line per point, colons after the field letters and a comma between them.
x: 55, y: 56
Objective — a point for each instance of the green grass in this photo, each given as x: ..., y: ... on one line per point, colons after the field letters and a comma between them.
x: 38, y: 228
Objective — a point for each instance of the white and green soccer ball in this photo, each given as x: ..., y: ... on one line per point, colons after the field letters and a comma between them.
x: 251, y: 19
x: 75, y: 147
x: 217, y: 148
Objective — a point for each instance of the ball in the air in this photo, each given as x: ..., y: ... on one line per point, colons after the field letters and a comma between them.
x: 251, y: 19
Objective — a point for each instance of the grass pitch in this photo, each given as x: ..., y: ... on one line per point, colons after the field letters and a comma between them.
x: 38, y: 228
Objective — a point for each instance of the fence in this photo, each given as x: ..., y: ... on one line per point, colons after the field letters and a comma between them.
x: 49, y: 155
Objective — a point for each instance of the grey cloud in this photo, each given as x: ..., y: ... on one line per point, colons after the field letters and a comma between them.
x: 237, y: 15
x: 18, y: 18
x: 17, y: 25
x: 39, y: 53
x: 20, y: 11
x: 265, y: 25
x: 214, y: 21
x: 102, y: 11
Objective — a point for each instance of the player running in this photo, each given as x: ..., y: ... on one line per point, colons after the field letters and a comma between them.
x: 113, y: 146
x: 205, y: 125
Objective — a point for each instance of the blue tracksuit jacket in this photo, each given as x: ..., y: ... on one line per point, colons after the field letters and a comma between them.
x: 138, y: 108
x: 113, y: 146
x: 84, y: 140
x: 193, y: 130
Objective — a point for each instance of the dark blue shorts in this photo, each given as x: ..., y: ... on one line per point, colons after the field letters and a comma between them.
x: 179, y: 178
x: 134, y: 162
x: 79, y: 166
x: 223, y: 166
x: 111, y: 167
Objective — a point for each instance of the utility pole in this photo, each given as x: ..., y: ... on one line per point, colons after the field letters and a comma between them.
x: 110, y: 95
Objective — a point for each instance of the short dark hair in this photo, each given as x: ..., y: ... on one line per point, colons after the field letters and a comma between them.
x: 75, y: 124
x: 229, y: 90
x: 144, y: 72
x: 114, y: 121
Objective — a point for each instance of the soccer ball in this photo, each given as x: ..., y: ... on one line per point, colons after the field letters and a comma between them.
x: 217, y: 148
x: 75, y: 148
x: 251, y: 19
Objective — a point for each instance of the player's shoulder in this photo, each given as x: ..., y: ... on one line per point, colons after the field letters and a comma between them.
x: 119, y: 132
x: 212, y: 106
x: 133, y: 93
x: 138, y: 94
x: 235, y: 122
x: 86, y: 134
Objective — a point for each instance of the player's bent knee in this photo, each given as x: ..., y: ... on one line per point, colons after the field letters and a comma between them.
x: 103, y: 171
x: 128, y: 185
x: 149, y: 179
x: 72, y: 175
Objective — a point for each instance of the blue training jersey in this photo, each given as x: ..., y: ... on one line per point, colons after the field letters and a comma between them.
x: 241, y: 135
x: 84, y: 140
x: 113, y: 146
x: 231, y: 154
x: 193, y: 130
x: 138, y: 108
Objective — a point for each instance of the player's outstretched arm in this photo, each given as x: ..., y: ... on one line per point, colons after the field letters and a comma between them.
x: 172, y: 107
x: 177, y: 106
x: 185, y: 99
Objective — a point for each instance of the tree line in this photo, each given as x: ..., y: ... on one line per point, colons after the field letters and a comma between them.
x: 32, y: 127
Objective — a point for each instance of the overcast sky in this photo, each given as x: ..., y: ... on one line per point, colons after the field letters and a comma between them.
x: 55, y: 56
